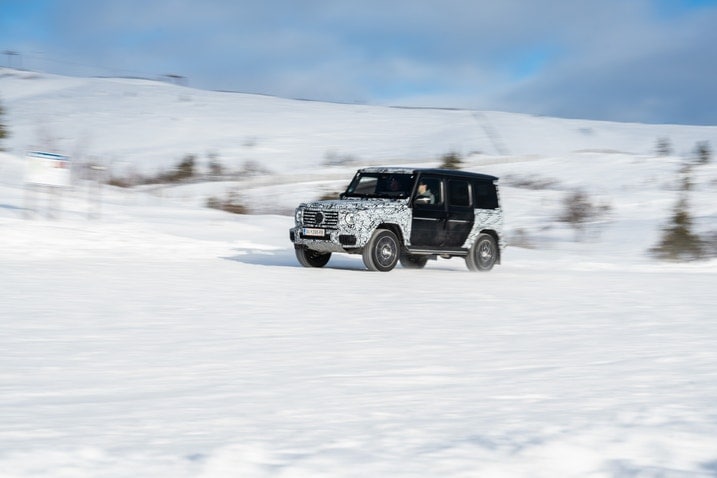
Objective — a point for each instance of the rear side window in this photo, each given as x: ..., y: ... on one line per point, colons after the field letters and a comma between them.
x: 459, y: 193
x: 486, y: 195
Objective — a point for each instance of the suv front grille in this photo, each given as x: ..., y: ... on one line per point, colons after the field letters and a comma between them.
x: 313, y: 217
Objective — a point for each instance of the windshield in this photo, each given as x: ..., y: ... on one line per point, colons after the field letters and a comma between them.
x: 381, y: 185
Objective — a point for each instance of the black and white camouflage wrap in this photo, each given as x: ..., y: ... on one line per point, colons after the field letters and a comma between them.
x: 486, y: 219
x: 361, y: 217
x: 356, y: 217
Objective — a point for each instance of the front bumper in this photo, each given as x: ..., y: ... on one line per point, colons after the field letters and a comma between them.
x: 333, y: 240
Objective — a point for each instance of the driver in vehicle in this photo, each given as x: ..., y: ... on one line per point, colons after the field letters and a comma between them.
x: 424, y: 196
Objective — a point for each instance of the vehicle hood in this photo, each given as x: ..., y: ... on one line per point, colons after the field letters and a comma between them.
x: 355, y: 205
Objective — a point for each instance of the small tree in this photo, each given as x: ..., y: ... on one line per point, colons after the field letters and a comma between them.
x: 451, y: 160
x: 3, y: 131
x: 703, y: 152
x: 215, y: 166
x: 185, y: 169
x: 663, y: 146
x: 678, y: 242
x: 710, y: 242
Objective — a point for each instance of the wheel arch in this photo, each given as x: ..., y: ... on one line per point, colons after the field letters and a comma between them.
x: 396, y: 229
x: 496, y: 237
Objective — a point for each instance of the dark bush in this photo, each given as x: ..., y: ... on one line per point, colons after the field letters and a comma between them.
x: 451, y: 161
x: 678, y: 242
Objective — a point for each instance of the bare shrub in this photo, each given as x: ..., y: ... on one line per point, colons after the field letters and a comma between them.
x: 214, y: 165
x: 184, y: 170
x: 119, y: 182
x: 451, y: 160
x: 579, y: 210
x: 4, y: 133
x: 533, y: 182
x: 329, y: 195
x: 254, y: 168
x: 710, y: 242
x: 703, y: 152
x: 232, y: 203
x: 333, y: 158
x: 521, y: 238
x: 663, y: 146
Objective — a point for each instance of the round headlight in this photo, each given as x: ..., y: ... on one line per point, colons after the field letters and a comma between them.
x: 348, y: 218
x: 298, y: 215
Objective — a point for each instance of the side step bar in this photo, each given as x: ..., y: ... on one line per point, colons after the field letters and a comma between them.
x: 430, y: 251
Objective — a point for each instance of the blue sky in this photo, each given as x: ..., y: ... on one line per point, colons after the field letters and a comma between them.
x: 624, y: 60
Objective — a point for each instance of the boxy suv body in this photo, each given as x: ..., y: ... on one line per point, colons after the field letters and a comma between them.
x: 408, y: 215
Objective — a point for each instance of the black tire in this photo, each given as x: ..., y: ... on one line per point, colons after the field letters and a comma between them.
x: 483, y: 253
x: 382, y: 251
x: 412, y: 261
x: 311, y: 258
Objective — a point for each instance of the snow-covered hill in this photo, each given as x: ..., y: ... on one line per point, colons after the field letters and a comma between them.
x: 145, y: 335
x: 148, y: 122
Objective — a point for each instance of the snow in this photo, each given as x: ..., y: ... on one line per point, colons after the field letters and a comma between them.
x: 149, y: 336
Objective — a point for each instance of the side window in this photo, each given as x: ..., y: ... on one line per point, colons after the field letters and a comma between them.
x: 459, y: 193
x: 486, y: 195
x: 429, y: 191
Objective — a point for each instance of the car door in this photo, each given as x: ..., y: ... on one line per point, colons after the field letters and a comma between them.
x: 429, y: 214
x: 460, y: 217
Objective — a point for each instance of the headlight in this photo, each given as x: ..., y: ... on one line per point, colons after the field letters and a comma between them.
x: 299, y: 216
x: 348, y: 218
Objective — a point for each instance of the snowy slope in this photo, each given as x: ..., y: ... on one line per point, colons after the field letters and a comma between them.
x: 165, y: 339
x: 147, y: 122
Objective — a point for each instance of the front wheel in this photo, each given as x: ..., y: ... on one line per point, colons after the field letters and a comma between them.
x: 382, y: 251
x: 311, y: 258
x: 483, y: 253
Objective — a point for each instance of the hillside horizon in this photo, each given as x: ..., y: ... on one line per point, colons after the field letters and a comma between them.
x: 111, y: 119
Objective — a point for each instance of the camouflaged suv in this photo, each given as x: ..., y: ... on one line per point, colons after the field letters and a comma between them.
x: 409, y: 215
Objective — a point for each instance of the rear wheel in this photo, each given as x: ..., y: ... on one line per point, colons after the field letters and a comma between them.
x: 382, y: 251
x: 412, y: 261
x: 483, y: 253
x: 311, y: 258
